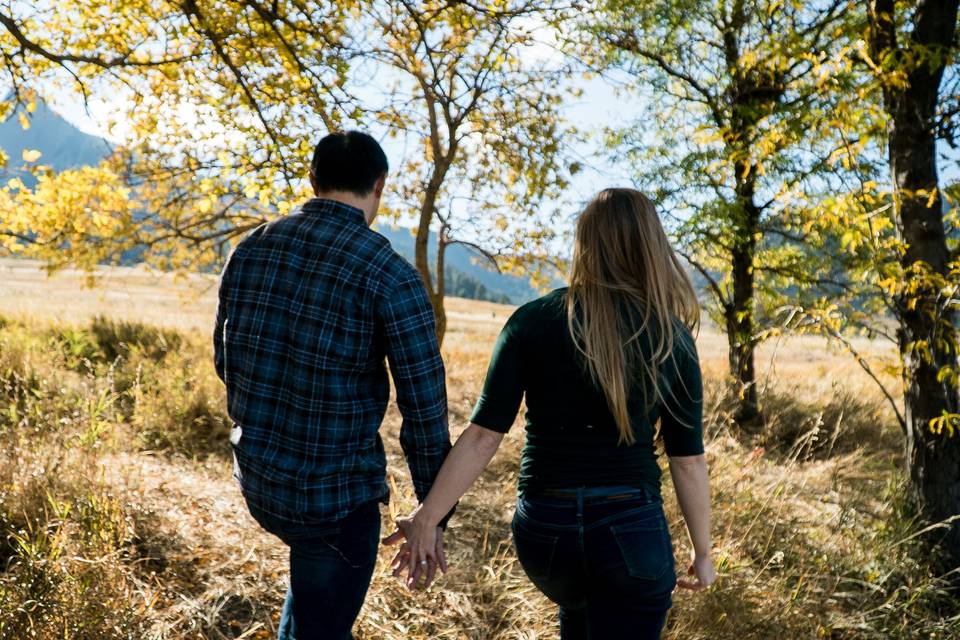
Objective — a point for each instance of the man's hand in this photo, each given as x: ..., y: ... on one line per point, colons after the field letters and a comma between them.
x: 421, y: 552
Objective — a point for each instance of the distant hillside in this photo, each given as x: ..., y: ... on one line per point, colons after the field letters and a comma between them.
x: 461, y: 260
x: 64, y: 146
x: 61, y: 144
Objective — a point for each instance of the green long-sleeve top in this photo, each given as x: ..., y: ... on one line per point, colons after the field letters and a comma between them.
x: 572, y: 437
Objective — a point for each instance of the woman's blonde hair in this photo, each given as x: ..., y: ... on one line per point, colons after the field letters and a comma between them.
x: 625, y: 282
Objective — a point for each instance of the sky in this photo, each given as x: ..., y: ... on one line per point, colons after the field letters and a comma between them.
x: 599, y: 105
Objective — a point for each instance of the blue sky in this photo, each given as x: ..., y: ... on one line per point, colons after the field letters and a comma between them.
x: 600, y: 105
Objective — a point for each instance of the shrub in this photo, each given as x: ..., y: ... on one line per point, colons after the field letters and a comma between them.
x: 78, y: 348
x: 798, y: 427
x: 64, y: 569
x: 16, y: 376
x: 25, y: 396
x: 178, y: 407
x: 118, y: 338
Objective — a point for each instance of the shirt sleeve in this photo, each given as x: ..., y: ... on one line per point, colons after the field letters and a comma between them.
x: 220, y: 323
x: 681, y: 416
x: 418, y: 375
x: 503, y: 388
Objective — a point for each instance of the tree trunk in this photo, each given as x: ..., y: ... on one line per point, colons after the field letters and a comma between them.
x: 747, y: 109
x: 422, y: 259
x: 740, y: 320
x: 439, y: 312
x: 933, y: 459
x: 740, y: 338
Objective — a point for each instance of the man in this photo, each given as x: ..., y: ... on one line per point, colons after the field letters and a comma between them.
x: 310, y: 305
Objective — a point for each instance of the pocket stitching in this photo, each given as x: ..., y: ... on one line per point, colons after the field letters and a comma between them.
x: 517, y: 524
x: 538, y: 538
x: 624, y: 554
x: 636, y: 526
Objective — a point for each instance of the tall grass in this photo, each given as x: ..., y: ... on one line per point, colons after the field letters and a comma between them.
x: 119, y: 518
x: 64, y: 568
x: 178, y: 406
x: 76, y: 557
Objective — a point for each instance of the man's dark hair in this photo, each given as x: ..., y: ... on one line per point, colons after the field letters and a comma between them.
x: 348, y: 161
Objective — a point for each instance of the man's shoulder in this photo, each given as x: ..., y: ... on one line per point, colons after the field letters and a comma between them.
x: 392, y: 267
x: 248, y: 241
x: 267, y: 231
x: 370, y: 252
x: 298, y: 232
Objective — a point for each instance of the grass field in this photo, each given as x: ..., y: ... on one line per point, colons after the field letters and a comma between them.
x: 120, y: 518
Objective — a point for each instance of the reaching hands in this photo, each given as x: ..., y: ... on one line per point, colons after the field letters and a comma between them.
x: 703, y: 570
x: 421, y: 553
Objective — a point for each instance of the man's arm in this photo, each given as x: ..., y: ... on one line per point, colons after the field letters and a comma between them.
x: 220, y: 324
x: 418, y: 375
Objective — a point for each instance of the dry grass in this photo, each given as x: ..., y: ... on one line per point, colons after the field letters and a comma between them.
x: 121, y: 293
x: 120, y: 519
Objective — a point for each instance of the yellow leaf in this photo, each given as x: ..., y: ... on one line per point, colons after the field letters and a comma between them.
x: 24, y: 120
x: 31, y: 155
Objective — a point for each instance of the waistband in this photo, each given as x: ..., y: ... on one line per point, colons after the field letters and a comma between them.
x: 599, y: 494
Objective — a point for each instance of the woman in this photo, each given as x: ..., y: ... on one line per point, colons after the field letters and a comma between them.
x: 600, y: 363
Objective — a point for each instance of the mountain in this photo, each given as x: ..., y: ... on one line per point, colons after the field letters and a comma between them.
x: 461, y: 260
x: 61, y: 144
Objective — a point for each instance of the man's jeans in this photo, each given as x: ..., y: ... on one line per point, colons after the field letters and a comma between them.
x: 330, y: 570
x: 604, y: 555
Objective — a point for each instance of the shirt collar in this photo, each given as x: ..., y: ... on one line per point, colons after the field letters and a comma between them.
x: 324, y: 206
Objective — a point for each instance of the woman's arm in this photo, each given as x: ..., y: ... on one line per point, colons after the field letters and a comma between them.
x: 690, y: 481
x: 466, y: 461
x: 496, y: 410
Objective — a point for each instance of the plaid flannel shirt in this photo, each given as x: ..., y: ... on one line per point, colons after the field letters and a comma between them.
x: 310, y: 305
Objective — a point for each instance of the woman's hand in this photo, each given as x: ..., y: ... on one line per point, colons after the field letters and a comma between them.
x: 702, y: 568
x: 421, y: 553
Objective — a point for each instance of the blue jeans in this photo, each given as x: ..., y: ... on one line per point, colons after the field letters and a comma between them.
x: 330, y: 570
x: 604, y: 556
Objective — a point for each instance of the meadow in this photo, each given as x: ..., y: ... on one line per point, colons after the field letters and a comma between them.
x: 119, y: 518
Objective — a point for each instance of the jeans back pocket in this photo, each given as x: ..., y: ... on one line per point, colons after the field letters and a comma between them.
x: 535, y: 550
x: 646, y: 548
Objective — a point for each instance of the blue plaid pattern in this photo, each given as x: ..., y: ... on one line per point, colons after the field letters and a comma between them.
x: 310, y: 306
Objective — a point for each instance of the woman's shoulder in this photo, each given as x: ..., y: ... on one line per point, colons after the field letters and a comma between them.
x: 551, y: 303
x: 684, y: 341
x: 551, y: 306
